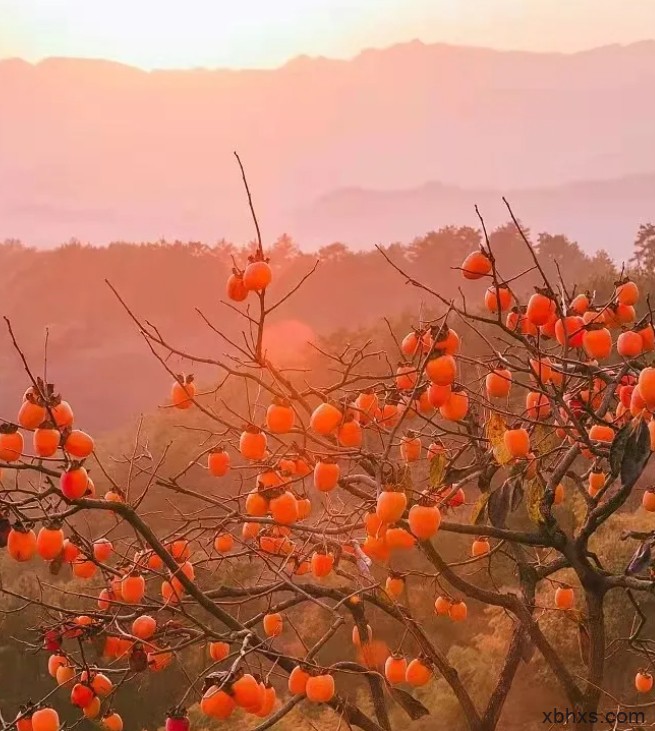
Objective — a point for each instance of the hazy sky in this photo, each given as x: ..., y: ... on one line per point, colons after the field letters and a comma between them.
x: 264, y: 33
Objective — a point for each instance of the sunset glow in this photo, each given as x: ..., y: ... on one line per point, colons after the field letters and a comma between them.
x: 267, y: 33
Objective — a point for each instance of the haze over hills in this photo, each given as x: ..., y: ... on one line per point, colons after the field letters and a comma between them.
x: 102, y: 151
x: 598, y: 214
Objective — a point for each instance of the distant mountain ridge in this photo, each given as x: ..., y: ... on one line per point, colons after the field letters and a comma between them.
x: 103, y: 151
x: 602, y: 214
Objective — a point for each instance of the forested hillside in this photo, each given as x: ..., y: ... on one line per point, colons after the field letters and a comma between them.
x: 92, y: 343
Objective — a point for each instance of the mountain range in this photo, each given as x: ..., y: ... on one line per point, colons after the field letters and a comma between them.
x: 382, y: 147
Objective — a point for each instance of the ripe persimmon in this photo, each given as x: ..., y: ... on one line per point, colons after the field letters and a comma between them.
x: 648, y: 500
x: 273, y: 624
x: 644, y: 681
x: 418, y: 673
x: 252, y: 443
x: 517, y: 442
x: 569, y: 331
x: 410, y: 446
x: 498, y: 298
x: 498, y: 383
x: 326, y: 475
x: 456, y: 407
x: 564, y: 597
x: 183, y: 391
x: 83, y: 568
x: 438, y: 395
x: 112, y: 722
x: 480, y: 547
x: 424, y: 520
x: 476, y: 265
x: 11, y: 443
x: 541, y: 308
x: 325, y: 419
x: 458, y: 611
x: 349, y: 433
x: 235, y: 288
x: 218, y: 651
x: 391, y: 505
x: 280, y: 416
x: 21, y: 543
x: 394, y: 585
x: 256, y: 504
x: 321, y: 564
x: 102, y: 549
x: 223, y: 542
x: 78, y: 444
x: 627, y: 292
x: 297, y: 683
x: 31, y: 414
x: 50, y: 542
x: 399, y: 538
x: 629, y: 344
x: 395, y: 669
x: 247, y: 691
x: 597, y: 342
x: 45, y: 719
x: 74, y: 482
x: 257, y: 276
x: 218, y: 463
x: 284, y: 508
x: 81, y: 695
x: 62, y: 413
x: 320, y: 688
x: 441, y: 370
x: 580, y: 304
x: 144, y: 627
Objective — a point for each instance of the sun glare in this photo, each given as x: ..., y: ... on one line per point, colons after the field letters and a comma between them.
x: 171, y: 33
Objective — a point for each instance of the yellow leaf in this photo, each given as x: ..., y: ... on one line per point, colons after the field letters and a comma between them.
x: 495, y: 429
x: 437, y: 469
x: 544, y: 439
x: 534, y: 494
x: 479, y: 509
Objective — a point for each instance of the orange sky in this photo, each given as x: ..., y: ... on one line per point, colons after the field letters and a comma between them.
x: 266, y: 33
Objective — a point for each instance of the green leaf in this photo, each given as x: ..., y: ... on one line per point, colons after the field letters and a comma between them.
x: 534, y: 496
x: 479, y: 513
x: 495, y: 429
x: 437, y: 469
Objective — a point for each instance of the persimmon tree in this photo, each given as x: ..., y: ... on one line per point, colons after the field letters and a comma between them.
x: 340, y: 497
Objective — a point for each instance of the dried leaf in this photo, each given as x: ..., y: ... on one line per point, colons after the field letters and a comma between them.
x: 527, y: 650
x: 516, y: 494
x: 641, y: 558
x: 405, y: 481
x: 544, y: 439
x: 495, y: 429
x: 480, y: 514
x: 56, y: 564
x: 498, y: 506
x: 534, y: 497
x: 617, y: 450
x: 437, y: 469
x: 635, y: 455
x: 413, y: 708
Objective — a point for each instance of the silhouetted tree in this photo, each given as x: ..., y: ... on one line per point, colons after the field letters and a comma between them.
x: 644, y: 247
